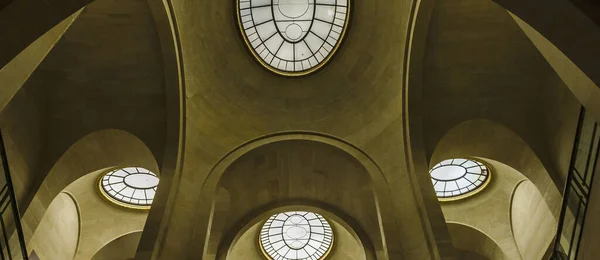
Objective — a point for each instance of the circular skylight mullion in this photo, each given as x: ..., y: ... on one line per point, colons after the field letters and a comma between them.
x: 454, y: 178
x: 296, y: 235
x: 130, y: 187
x: 292, y: 37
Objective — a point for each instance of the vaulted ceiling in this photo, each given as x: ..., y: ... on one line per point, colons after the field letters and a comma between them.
x: 113, y: 69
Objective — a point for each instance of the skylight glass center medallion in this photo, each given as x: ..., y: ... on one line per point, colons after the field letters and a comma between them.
x: 448, y: 173
x: 141, y: 181
x: 293, y: 37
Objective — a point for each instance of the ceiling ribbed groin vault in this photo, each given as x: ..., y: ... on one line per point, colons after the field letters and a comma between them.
x: 357, y: 97
x: 171, y: 85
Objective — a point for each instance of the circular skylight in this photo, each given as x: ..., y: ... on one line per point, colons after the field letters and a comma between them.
x: 456, y: 178
x: 293, y: 37
x: 296, y: 235
x: 131, y: 186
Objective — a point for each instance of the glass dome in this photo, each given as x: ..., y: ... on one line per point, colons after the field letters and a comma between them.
x: 296, y: 235
x: 133, y: 187
x: 293, y: 37
x: 458, y: 178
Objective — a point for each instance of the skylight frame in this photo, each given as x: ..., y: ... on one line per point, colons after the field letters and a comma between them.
x: 476, y: 168
x: 105, y: 190
x: 269, y: 233
x: 320, y: 56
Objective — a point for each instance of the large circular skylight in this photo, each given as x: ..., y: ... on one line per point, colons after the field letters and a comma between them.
x: 293, y: 37
x: 131, y: 186
x: 456, y: 178
x: 296, y: 235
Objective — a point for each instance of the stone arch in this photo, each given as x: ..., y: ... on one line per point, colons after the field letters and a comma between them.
x: 79, y: 167
x: 123, y: 247
x: 472, y: 243
x: 341, y: 223
x: 205, y: 212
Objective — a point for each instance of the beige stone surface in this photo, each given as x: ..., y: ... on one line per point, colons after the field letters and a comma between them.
x: 562, y: 22
x: 488, y: 211
x: 122, y: 248
x: 123, y: 65
x: 14, y: 74
x: 101, y: 221
x: 490, y: 140
x: 473, y: 244
x: 478, y: 64
x: 96, y: 152
x: 581, y: 85
x: 58, y: 234
x: 533, y: 225
x: 357, y: 97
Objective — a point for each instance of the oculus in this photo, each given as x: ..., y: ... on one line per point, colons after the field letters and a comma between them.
x: 296, y: 235
x: 458, y: 178
x: 293, y: 37
x: 131, y: 187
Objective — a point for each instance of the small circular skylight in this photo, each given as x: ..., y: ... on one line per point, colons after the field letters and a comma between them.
x: 456, y: 178
x: 293, y: 37
x: 296, y: 235
x: 130, y: 187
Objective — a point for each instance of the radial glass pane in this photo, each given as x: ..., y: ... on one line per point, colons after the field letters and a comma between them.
x: 293, y: 37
